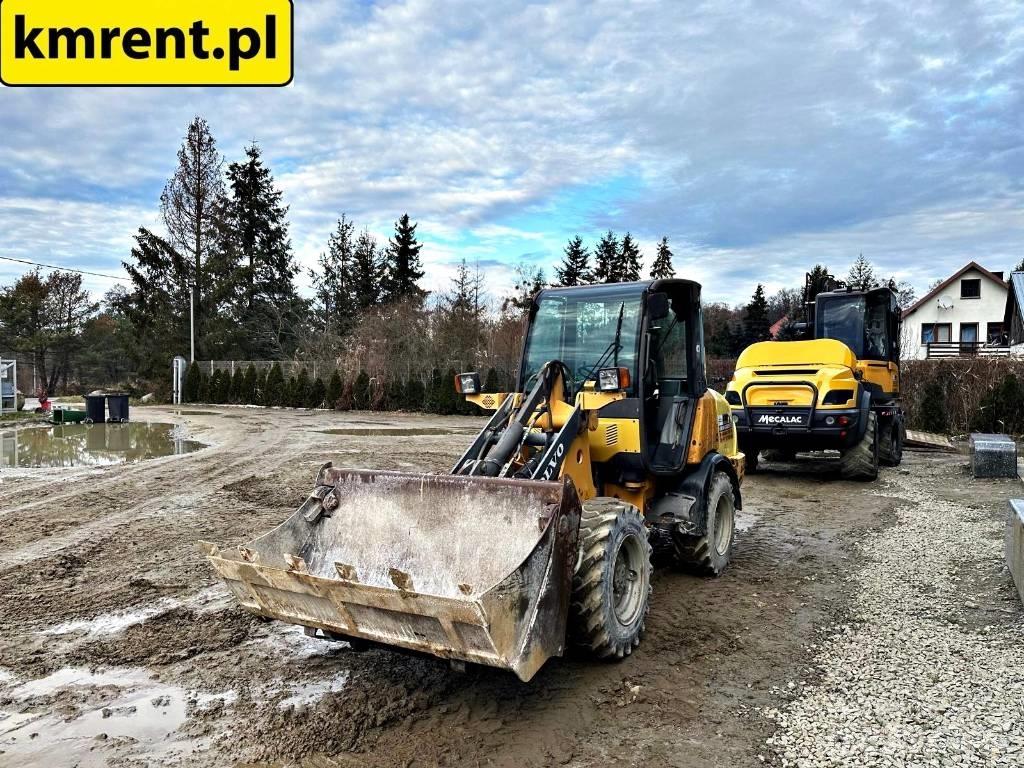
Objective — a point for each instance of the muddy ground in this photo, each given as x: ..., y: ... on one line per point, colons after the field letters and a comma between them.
x: 118, y: 647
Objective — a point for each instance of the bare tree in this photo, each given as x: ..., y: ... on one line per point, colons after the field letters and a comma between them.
x: 192, y: 205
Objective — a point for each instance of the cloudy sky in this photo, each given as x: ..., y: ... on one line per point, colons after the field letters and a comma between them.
x: 760, y: 137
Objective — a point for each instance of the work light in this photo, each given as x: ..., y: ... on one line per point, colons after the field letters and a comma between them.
x: 612, y: 379
x: 467, y: 383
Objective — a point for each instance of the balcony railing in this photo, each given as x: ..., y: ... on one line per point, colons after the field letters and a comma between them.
x: 940, y: 349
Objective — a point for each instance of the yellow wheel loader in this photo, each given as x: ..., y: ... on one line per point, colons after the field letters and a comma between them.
x: 541, y: 534
x: 838, y: 391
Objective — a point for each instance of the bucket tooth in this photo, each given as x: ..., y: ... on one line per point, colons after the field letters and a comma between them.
x: 346, y: 572
x: 402, y: 580
x: 295, y: 563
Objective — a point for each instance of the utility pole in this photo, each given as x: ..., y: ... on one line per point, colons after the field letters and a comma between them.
x: 192, y: 317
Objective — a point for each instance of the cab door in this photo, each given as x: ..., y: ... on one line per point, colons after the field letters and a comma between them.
x: 668, y: 403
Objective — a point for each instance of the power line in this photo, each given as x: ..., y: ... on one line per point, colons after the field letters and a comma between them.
x: 64, y: 269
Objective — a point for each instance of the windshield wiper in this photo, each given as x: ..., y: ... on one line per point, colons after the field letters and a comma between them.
x: 613, y: 347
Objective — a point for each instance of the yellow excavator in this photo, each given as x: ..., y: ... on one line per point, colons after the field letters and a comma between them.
x: 541, y: 534
x: 839, y: 390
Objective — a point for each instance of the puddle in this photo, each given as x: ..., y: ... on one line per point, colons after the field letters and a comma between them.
x: 398, y: 431
x: 123, y: 709
x: 81, y: 445
x: 309, y: 693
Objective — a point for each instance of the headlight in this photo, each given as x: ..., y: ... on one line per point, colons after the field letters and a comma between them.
x: 732, y: 397
x: 837, y: 397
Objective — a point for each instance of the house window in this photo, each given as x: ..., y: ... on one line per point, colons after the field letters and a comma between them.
x: 933, y: 332
x: 994, y: 334
x: 970, y: 289
x: 968, y: 333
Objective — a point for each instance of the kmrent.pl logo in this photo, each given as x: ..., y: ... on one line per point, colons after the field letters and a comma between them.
x: 116, y: 42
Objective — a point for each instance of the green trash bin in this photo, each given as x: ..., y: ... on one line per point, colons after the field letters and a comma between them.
x: 68, y: 416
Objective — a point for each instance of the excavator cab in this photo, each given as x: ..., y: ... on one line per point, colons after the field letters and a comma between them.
x: 541, y: 533
x: 868, y: 322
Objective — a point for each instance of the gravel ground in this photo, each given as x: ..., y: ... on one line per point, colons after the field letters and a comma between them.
x: 928, y: 670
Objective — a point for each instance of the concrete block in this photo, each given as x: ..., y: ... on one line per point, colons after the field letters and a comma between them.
x: 993, y: 456
x: 1015, y: 544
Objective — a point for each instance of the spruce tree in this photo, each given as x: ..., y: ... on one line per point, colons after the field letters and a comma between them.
x: 317, y: 394
x: 302, y: 386
x: 862, y: 275
x: 248, y: 392
x: 607, y: 268
x: 575, y: 266
x: 332, y: 280
x: 193, y: 383
x: 334, y: 389
x: 235, y: 395
x: 755, y: 321
x: 662, y: 267
x: 629, y: 260
x: 367, y: 272
x: 403, y: 268
x: 256, y: 239
x: 213, y: 395
x: 274, y: 389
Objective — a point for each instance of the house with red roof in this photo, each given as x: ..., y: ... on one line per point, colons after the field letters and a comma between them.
x: 961, y: 316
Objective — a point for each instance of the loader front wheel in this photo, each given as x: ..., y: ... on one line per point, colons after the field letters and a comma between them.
x: 612, y: 583
x: 709, y: 553
x: 861, y: 461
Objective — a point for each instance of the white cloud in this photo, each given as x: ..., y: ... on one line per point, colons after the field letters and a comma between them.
x: 760, y: 137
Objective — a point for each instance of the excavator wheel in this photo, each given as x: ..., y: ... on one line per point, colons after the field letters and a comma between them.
x: 890, y: 445
x: 861, y: 461
x: 708, y: 554
x: 612, y: 583
x: 751, y: 455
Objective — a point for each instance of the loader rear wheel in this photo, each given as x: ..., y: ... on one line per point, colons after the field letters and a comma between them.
x: 861, y: 461
x: 709, y: 553
x: 890, y: 445
x: 612, y: 583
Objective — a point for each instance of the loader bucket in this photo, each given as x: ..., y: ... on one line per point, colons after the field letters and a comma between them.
x: 467, y: 568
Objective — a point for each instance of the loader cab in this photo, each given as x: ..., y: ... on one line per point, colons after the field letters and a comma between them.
x: 652, y: 329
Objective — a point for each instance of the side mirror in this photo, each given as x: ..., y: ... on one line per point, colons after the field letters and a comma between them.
x: 657, y: 305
